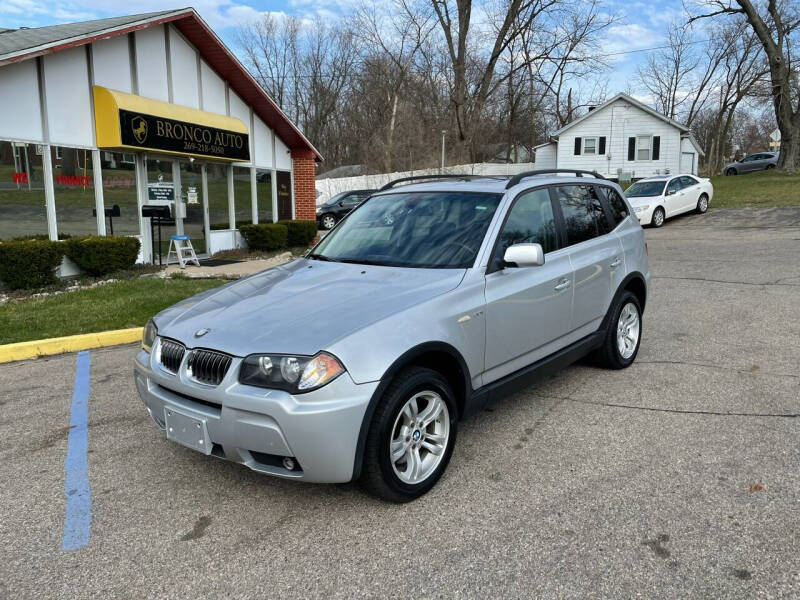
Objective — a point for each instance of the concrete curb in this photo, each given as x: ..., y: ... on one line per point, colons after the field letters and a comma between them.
x: 70, y: 343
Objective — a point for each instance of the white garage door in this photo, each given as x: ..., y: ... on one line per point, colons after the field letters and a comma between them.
x: 687, y: 162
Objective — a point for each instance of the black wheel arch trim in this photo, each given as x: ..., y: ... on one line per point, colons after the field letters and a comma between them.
x: 402, y: 361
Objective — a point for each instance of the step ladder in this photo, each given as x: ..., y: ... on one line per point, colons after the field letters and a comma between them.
x: 183, y: 249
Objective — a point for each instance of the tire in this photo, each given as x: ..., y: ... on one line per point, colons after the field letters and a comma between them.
x: 393, y: 480
x: 609, y: 354
x: 768, y: 167
x: 328, y: 221
x: 731, y: 172
x: 702, y: 204
x: 658, y: 217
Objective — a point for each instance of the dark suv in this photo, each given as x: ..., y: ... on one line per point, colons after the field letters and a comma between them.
x: 330, y: 213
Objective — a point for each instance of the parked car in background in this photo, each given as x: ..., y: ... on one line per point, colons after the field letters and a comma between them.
x: 337, y: 207
x: 754, y: 162
x: 656, y: 199
x: 474, y: 287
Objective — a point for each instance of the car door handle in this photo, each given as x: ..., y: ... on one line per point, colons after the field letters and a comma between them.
x: 617, y: 262
x: 562, y: 285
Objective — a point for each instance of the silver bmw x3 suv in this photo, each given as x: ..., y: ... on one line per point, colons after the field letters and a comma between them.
x: 357, y: 361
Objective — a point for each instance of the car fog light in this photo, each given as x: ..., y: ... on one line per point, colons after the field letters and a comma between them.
x: 288, y: 463
x: 290, y: 368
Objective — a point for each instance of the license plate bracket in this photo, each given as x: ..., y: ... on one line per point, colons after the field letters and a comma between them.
x: 187, y: 430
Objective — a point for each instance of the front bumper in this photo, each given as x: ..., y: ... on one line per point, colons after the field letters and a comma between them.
x: 646, y: 216
x: 257, y: 427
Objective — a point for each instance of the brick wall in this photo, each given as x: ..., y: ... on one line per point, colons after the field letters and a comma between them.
x: 304, y: 191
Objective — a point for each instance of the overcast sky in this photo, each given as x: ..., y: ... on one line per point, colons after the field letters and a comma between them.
x: 640, y: 25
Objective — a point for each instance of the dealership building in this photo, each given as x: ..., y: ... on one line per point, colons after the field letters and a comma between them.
x: 103, y: 120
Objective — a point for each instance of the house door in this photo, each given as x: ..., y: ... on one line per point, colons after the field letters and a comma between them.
x: 687, y: 162
x: 284, y: 181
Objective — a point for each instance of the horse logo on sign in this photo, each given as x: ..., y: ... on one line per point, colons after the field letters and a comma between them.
x: 139, y: 128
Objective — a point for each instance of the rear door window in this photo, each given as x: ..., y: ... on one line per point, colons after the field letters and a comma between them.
x: 617, y: 206
x: 687, y: 181
x: 582, y: 212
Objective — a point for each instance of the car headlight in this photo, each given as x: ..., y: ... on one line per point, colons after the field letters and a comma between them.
x: 295, y: 374
x: 149, y: 334
x: 639, y: 209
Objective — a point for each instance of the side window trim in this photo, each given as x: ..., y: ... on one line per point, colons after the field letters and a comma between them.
x: 493, y: 265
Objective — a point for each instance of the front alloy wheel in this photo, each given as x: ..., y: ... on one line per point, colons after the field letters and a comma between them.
x: 658, y: 217
x: 419, y: 437
x: 411, y: 436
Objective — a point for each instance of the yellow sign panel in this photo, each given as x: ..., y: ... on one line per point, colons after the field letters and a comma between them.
x: 128, y: 122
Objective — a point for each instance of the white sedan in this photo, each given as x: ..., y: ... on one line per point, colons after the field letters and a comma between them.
x: 656, y: 199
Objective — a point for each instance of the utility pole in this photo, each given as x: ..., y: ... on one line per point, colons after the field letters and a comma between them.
x: 444, y: 133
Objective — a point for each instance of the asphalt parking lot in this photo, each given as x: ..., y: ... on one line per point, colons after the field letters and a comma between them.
x: 676, y: 478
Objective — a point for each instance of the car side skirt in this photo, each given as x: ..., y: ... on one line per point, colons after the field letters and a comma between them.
x: 527, y: 376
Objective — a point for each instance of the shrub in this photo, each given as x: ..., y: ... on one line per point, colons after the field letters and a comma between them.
x: 100, y: 255
x: 29, y: 263
x: 265, y: 236
x: 300, y: 232
x: 227, y: 225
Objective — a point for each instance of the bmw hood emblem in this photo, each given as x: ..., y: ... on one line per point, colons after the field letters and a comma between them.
x: 201, y: 332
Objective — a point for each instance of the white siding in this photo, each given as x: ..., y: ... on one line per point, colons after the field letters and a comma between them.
x: 283, y: 158
x: 183, y: 70
x: 21, y: 116
x: 111, y: 63
x: 151, y: 63
x: 617, y: 122
x: 69, y: 115
x: 688, y: 152
x: 239, y: 109
x: 546, y: 156
x: 263, y: 144
x: 213, y: 90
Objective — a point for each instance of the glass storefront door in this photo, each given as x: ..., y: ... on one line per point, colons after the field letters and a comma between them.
x: 192, y: 197
x: 160, y: 192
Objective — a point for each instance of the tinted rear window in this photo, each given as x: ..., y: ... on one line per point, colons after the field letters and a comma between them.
x: 583, y: 213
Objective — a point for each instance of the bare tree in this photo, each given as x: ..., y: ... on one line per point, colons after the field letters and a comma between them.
x: 775, y: 23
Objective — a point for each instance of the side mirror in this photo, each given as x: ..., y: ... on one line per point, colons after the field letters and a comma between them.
x: 524, y: 255
x: 670, y: 193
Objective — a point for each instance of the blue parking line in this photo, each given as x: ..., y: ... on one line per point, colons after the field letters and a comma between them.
x: 78, y: 515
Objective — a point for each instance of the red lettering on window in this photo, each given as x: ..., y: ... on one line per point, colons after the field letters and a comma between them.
x: 21, y: 177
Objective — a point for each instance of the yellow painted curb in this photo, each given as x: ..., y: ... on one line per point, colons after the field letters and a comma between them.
x: 70, y: 343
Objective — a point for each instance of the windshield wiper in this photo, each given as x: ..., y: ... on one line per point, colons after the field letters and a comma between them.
x: 364, y: 261
x: 322, y: 258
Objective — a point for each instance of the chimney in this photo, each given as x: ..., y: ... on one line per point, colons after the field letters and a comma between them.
x: 591, y: 108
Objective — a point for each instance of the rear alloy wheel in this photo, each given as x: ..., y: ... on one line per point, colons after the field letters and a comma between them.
x: 658, y: 217
x: 328, y: 221
x: 702, y: 204
x: 730, y: 172
x: 623, y: 334
x: 411, y: 436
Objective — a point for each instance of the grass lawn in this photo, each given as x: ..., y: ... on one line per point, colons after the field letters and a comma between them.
x: 116, y: 305
x: 765, y: 188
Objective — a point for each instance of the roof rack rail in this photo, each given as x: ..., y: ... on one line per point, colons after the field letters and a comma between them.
x: 577, y: 172
x: 464, y: 177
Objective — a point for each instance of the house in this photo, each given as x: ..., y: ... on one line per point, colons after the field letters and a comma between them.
x: 622, y: 139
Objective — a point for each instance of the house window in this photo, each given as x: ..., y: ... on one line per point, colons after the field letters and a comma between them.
x: 643, y: 147
x: 590, y: 145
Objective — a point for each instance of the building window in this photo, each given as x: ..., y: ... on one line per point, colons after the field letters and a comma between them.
x: 590, y: 145
x: 73, y: 183
x: 22, y: 206
x: 127, y: 158
x: 643, y: 147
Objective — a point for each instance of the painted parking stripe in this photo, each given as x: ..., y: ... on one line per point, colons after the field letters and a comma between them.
x: 78, y: 515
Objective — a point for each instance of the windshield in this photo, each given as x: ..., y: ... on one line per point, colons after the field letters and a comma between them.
x: 645, y: 188
x: 440, y: 230
x: 336, y: 198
